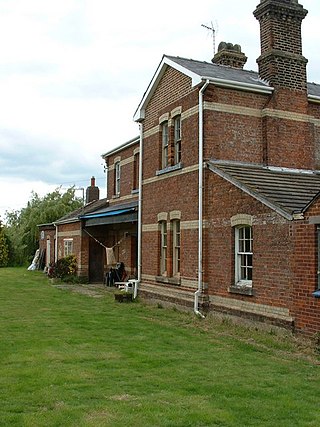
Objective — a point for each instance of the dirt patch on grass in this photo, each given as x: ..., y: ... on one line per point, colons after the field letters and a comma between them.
x: 94, y: 291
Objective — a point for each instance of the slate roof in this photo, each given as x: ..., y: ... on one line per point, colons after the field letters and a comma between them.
x: 89, y: 207
x: 222, y: 75
x: 288, y: 191
x: 111, y: 208
x: 215, y: 71
x: 313, y: 89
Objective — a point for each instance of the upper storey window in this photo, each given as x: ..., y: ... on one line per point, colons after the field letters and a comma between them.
x: 177, y: 139
x: 135, y: 171
x: 165, y: 145
x: 170, y: 141
x: 117, y: 176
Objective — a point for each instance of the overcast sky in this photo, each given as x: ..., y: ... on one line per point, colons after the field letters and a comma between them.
x: 72, y: 73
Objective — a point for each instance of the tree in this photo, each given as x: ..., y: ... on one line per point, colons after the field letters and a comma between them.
x: 4, y: 247
x: 22, y: 226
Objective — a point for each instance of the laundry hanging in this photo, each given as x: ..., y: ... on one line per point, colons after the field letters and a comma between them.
x: 111, y: 259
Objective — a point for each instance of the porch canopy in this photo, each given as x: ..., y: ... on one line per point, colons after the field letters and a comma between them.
x: 117, y: 214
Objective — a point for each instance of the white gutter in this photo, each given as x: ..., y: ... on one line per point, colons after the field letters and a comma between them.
x: 106, y: 170
x: 239, y: 85
x: 314, y: 98
x: 200, y: 225
x: 135, y: 292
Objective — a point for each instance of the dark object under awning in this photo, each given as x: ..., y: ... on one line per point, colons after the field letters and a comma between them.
x: 116, y: 216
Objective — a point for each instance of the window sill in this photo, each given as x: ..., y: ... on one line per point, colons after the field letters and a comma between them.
x: 168, y: 280
x: 169, y: 169
x: 242, y: 290
x: 135, y: 191
x: 116, y: 196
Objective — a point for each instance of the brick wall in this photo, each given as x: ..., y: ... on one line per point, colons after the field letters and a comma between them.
x: 237, y: 127
x: 127, y: 157
x: 233, y: 125
x: 272, y: 245
x: 306, y: 306
x: 70, y: 231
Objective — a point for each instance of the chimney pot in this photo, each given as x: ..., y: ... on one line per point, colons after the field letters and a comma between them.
x: 230, y: 55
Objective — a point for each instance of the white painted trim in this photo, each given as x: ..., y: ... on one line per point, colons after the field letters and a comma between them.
x: 314, y: 98
x: 251, y: 87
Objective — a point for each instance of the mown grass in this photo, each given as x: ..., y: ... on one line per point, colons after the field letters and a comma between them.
x: 72, y: 360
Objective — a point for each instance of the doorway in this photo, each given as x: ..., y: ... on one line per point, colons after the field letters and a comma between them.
x: 96, y: 262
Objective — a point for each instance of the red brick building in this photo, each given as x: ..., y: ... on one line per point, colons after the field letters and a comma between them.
x: 230, y: 179
x: 219, y: 197
x: 90, y: 230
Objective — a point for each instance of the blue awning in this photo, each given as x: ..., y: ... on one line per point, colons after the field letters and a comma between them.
x: 108, y: 213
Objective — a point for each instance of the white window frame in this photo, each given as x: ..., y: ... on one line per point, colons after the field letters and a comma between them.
x: 165, y: 144
x: 67, y: 247
x: 243, y: 255
x: 117, y: 177
x: 176, y: 247
x: 163, y: 247
x: 177, y: 139
x: 136, y: 158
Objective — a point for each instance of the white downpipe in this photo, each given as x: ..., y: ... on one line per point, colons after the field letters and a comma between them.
x: 56, y: 244
x: 200, y: 224
x: 135, y: 292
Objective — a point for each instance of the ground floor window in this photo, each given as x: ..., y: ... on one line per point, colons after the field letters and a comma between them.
x: 243, y: 255
x: 176, y: 247
x: 68, y: 247
x: 163, y: 247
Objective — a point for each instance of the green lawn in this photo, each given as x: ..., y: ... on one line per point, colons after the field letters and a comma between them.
x: 69, y: 359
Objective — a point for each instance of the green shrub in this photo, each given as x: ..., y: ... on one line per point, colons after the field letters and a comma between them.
x: 63, y: 268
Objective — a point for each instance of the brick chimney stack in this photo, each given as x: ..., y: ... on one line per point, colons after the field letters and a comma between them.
x: 92, y: 192
x: 281, y: 62
x: 287, y: 139
x: 230, y: 55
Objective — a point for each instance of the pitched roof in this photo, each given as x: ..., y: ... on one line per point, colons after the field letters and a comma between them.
x: 116, y: 213
x: 288, y: 191
x: 216, y: 71
x: 110, y: 209
x: 133, y: 141
x: 89, y: 207
x: 314, y: 90
x: 218, y: 74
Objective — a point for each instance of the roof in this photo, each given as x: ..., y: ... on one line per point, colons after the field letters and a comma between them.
x: 222, y: 75
x: 216, y: 71
x: 314, y: 90
x: 287, y: 191
x: 127, y: 144
x: 114, y: 209
x: 114, y: 214
x: 89, y: 207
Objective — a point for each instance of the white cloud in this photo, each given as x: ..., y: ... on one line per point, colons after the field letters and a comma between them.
x: 72, y: 73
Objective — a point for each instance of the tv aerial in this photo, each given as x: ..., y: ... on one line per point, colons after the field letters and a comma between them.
x: 212, y: 29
